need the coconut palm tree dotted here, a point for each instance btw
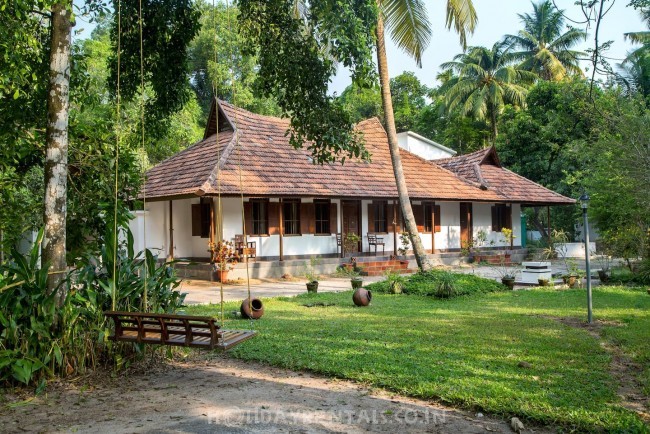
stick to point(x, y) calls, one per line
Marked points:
point(634, 73)
point(408, 24)
point(484, 81)
point(544, 49)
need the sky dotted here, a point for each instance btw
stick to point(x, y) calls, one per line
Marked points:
point(495, 19)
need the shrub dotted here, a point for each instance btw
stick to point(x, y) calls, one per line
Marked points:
point(426, 283)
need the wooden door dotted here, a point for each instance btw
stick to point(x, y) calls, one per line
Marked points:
point(351, 219)
point(466, 228)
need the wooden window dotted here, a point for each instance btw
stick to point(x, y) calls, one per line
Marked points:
point(260, 217)
point(291, 216)
point(380, 214)
point(501, 217)
point(431, 210)
point(201, 220)
point(322, 216)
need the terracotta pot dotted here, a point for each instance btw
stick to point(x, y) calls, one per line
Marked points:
point(253, 309)
point(356, 283)
point(572, 281)
point(312, 286)
point(509, 282)
point(220, 275)
point(362, 297)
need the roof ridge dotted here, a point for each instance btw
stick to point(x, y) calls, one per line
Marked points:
point(214, 174)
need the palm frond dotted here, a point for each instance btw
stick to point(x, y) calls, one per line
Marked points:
point(462, 16)
point(408, 24)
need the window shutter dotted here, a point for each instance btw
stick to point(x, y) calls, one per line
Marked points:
point(196, 220)
point(273, 216)
point(206, 223)
point(307, 218)
point(371, 217)
point(436, 218)
point(508, 220)
point(248, 217)
point(389, 218)
point(495, 219)
point(334, 222)
point(418, 212)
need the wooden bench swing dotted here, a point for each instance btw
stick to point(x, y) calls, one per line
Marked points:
point(175, 330)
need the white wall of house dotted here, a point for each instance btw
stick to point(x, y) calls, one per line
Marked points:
point(186, 245)
point(423, 147)
point(482, 213)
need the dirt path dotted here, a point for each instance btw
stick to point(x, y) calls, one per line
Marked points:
point(229, 396)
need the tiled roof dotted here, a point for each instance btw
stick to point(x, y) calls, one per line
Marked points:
point(268, 165)
point(485, 168)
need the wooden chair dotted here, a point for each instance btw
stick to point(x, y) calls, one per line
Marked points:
point(249, 250)
point(178, 330)
point(374, 240)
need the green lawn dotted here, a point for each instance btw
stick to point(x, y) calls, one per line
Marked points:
point(466, 351)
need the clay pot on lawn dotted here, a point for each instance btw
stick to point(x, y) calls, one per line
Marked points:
point(362, 297)
point(356, 282)
point(253, 309)
point(220, 275)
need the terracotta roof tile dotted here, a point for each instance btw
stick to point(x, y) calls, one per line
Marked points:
point(268, 165)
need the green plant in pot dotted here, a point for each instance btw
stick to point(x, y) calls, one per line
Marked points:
point(506, 271)
point(223, 257)
point(395, 281)
point(605, 262)
point(404, 244)
point(353, 273)
point(311, 275)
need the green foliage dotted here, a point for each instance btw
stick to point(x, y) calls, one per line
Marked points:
point(298, 49)
point(217, 61)
point(168, 26)
point(466, 351)
point(545, 44)
point(39, 338)
point(443, 284)
point(483, 82)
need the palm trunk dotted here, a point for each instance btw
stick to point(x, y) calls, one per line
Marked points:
point(56, 158)
point(400, 181)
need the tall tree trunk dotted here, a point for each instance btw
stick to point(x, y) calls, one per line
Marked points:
point(56, 158)
point(495, 128)
point(402, 191)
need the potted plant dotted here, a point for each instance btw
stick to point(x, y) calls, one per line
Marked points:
point(353, 273)
point(543, 282)
point(506, 271)
point(311, 275)
point(351, 242)
point(223, 257)
point(605, 262)
point(395, 281)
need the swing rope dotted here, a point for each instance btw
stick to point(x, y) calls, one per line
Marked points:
point(241, 184)
point(219, 228)
point(117, 153)
point(143, 162)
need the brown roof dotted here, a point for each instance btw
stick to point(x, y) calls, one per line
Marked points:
point(485, 168)
point(259, 152)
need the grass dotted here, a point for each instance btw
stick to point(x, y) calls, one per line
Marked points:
point(466, 351)
point(427, 284)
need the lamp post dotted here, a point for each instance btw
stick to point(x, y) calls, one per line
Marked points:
point(584, 203)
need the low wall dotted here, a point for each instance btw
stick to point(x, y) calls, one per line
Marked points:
point(574, 250)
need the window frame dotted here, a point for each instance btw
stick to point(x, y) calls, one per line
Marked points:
point(295, 205)
point(380, 205)
point(264, 203)
point(327, 213)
